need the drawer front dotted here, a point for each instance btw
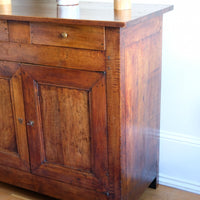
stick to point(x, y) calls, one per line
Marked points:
point(3, 30)
point(76, 36)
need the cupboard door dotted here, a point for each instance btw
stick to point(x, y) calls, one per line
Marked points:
point(66, 113)
point(13, 138)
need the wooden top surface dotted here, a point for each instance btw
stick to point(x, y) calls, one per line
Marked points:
point(89, 13)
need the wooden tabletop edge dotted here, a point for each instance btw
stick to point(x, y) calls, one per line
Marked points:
point(111, 21)
point(63, 21)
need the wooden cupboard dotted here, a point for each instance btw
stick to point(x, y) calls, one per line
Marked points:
point(80, 100)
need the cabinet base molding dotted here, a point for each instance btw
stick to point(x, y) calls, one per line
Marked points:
point(47, 186)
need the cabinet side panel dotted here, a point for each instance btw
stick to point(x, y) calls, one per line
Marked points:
point(142, 79)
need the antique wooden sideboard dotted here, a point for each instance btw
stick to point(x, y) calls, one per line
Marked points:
point(80, 99)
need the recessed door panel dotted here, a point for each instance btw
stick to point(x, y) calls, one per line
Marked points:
point(65, 122)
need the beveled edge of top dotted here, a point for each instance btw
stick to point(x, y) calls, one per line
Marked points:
point(110, 17)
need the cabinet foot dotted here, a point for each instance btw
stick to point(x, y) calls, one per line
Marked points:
point(154, 184)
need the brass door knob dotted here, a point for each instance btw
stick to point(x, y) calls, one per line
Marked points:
point(64, 35)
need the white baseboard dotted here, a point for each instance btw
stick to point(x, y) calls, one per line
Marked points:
point(179, 184)
point(180, 138)
point(180, 161)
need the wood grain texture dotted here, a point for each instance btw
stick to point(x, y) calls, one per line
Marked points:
point(113, 109)
point(60, 77)
point(142, 30)
point(142, 78)
point(92, 104)
point(75, 138)
point(91, 13)
point(65, 120)
point(20, 120)
point(86, 37)
point(13, 143)
point(3, 30)
point(54, 188)
point(19, 32)
point(7, 69)
point(98, 127)
point(53, 56)
point(7, 128)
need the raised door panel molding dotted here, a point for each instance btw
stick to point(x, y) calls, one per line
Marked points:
point(67, 137)
point(8, 137)
point(13, 139)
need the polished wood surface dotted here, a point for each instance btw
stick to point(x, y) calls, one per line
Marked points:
point(13, 138)
point(55, 128)
point(142, 132)
point(85, 37)
point(15, 32)
point(48, 186)
point(53, 56)
point(91, 13)
point(8, 138)
point(3, 30)
point(80, 101)
point(114, 109)
point(57, 103)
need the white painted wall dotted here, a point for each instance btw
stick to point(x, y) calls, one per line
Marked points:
point(180, 107)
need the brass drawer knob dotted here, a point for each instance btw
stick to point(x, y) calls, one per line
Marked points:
point(64, 35)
